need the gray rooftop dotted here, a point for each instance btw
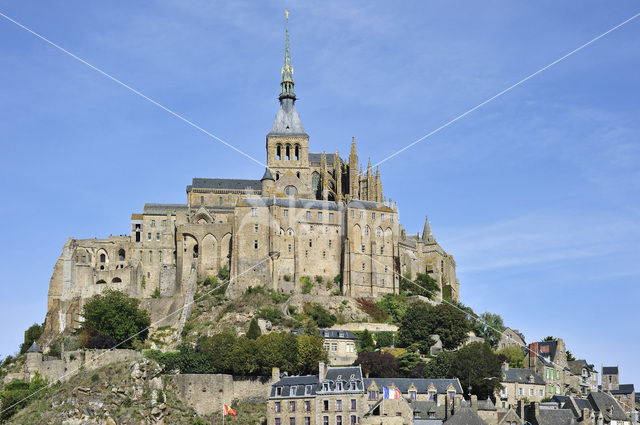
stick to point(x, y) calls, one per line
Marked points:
point(317, 157)
point(421, 384)
point(610, 370)
point(162, 209)
point(34, 348)
point(287, 121)
point(553, 417)
point(607, 406)
point(300, 382)
point(465, 416)
point(522, 376)
point(311, 204)
point(624, 389)
point(367, 205)
point(337, 334)
point(228, 184)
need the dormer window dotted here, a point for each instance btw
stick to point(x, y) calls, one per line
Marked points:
point(278, 391)
point(325, 386)
point(412, 395)
point(353, 386)
point(338, 386)
point(308, 389)
point(293, 390)
point(431, 395)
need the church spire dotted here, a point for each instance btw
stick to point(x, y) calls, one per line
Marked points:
point(286, 85)
point(427, 236)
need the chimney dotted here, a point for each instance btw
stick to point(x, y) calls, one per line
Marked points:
point(275, 374)
point(585, 415)
point(474, 402)
point(322, 371)
point(520, 410)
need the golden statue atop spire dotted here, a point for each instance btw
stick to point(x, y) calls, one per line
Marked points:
point(286, 12)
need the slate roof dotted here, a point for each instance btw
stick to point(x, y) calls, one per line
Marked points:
point(34, 348)
point(550, 354)
point(229, 184)
point(161, 209)
point(465, 416)
point(311, 204)
point(624, 389)
point(553, 417)
point(287, 121)
point(610, 370)
point(522, 376)
point(422, 409)
point(346, 375)
point(299, 381)
point(337, 334)
point(267, 175)
point(317, 157)
point(367, 205)
point(601, 401)
point(575, 366)
point(421, 384)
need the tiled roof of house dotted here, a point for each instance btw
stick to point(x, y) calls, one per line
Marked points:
point(610, 370)
point(607, 406)
point(300, 382)
point(624, 389)
point(555, 417)
point(162, 209)
point(233, 184)
point(368, 205)
point(465, 416)
point(337, 334)
point(522, 376)
point(311, 204)
point(421, 384)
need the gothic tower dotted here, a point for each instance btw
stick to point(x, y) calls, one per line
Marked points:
point(287, 142)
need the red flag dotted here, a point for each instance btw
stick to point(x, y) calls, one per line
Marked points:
point(227, 410)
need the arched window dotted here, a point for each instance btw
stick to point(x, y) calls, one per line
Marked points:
point(297, 153)
point(277, 176)
point(195, 251)
point(378, 232)
point(287, 154)
point(101, 282)
point(278, 152)
point(298, 174)
point(103, 258)
point(315, 182)
point(366, 230)
point(116, 280)
point(290, 191)
point(121, 255)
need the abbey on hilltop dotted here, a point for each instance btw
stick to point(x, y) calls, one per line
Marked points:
point(311, 214)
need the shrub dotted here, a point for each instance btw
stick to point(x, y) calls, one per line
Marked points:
point(394, 305)
point(384, 339)
point(17, 392)
point(377, 364)
point(307, 284)
point(320, 315)
point(254, 330)
point(223, 273)
point(114, 316)
point(318, 279)
point(287, 278)
point(423, 285)
point(269, 313)
point(95, 377)
point(156, 293)
point(211, 281)
point(337, 279)
point(372, 309)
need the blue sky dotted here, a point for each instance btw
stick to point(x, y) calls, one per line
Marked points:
point(537, 194)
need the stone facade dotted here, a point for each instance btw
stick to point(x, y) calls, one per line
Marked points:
point(511, 338)
point(519, 384)
point(583, 378)
point(549, 360)
point(341, 396)
point(310, 215)
point(340, 346)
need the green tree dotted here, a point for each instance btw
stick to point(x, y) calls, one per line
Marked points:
point(115, 316)
point(244, 361)
point(410, 365)
point(451, 324)
point(477, 365)
point(320, 315)
point(384, 339)
point(254, 330)
point(18, 393)
point(366, 342)
point(440, 366)
point(218, 348)
point(512, 355)
point(377, 364)
point(30, 336)
point(223, 273)
point(394, 305)
point(277, 350)
point(570, 356)
point(310, 352)
point(423, 285)
point(490, 327)
point(417, 326)
point(550, 338)
point(186, 360)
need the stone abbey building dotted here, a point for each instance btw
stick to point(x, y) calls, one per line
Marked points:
point(311, 214)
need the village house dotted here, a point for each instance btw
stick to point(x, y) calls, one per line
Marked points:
point(519, 384)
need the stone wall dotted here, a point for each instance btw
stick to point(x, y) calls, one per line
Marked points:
point(206, 393)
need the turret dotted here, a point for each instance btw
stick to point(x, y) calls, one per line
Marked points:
point(427, 236)
point(267, 181)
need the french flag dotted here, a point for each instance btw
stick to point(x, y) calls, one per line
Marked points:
point(391, 393)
